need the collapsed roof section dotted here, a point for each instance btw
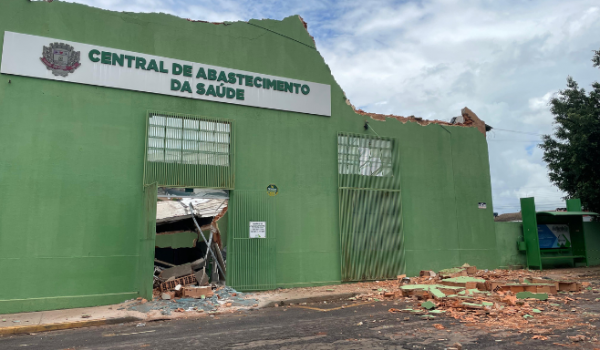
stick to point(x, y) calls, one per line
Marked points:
point(175, 217)
point(177, 210)
point(469, 119)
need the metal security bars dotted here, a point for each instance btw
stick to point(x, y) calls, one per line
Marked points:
point(371, 234)
point(251, 263)
point(366, 161)
point(189, 151)
point(364, 156)
point(370, 209)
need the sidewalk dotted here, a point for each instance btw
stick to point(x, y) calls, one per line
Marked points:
point(33, 322)
point(141, 311)
point(281, 297)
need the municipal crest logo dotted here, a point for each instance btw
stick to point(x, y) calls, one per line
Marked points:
point(61, 59)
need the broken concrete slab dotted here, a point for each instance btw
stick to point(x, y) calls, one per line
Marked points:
point(198, 264)
point(428, 305)
point(464, 281)
point(453, 272)
point(201, 277)
point(481, 305)
point(426, 291)
point(539, 296)
point(177, 271)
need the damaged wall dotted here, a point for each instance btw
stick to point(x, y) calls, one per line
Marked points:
point(174, 240)
point(73, 155)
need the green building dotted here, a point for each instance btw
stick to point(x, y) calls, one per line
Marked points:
point(98, 108)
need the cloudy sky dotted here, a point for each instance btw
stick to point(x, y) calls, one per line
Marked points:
point(502, 59)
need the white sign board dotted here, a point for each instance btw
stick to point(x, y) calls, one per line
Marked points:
point(258, 229)
point(62, 60)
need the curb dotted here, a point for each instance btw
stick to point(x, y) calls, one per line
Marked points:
point(65, 325)
point(311, 299)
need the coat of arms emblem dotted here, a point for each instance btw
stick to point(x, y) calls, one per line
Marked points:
point(60, 58)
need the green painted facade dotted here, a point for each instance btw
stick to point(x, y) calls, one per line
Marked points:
point(509, 233)
point(74, 229)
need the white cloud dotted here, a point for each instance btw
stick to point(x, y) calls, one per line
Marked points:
point(502, 59)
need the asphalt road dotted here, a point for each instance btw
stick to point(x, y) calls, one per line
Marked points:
point(317, 326)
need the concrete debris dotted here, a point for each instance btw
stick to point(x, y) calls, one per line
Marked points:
point(427, 273)
point(453, 272)
point(483, 298)
point(201, 277)
point(198, 264)
point(470, 269)
point(577, 338)
point(184, 281)
point(526, 295)
point(215, 300)
point(197, 292)
point(463, 281)
point(428, 305)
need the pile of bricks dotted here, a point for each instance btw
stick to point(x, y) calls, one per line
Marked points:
point(500, 297)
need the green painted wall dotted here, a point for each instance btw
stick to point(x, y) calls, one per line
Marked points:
point(72, 224)
point(177, 240)
point(508, 233)
point(592, 242)
point(507, 236)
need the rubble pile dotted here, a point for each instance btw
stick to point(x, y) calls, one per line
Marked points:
point(495, 298)
point(186, 288)
point(208, 299)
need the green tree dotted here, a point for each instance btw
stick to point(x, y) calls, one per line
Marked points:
point(573, 152)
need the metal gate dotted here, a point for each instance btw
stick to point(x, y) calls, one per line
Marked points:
point(251, 261)
point(370, 210)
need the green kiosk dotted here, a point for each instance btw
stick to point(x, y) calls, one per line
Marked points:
point(551, 237)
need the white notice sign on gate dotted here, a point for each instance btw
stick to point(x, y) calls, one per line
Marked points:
point(258, 229)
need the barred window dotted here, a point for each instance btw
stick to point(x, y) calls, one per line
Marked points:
point(360, 155)
point(188, 141)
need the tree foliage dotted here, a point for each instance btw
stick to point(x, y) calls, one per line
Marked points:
point(573, 152)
